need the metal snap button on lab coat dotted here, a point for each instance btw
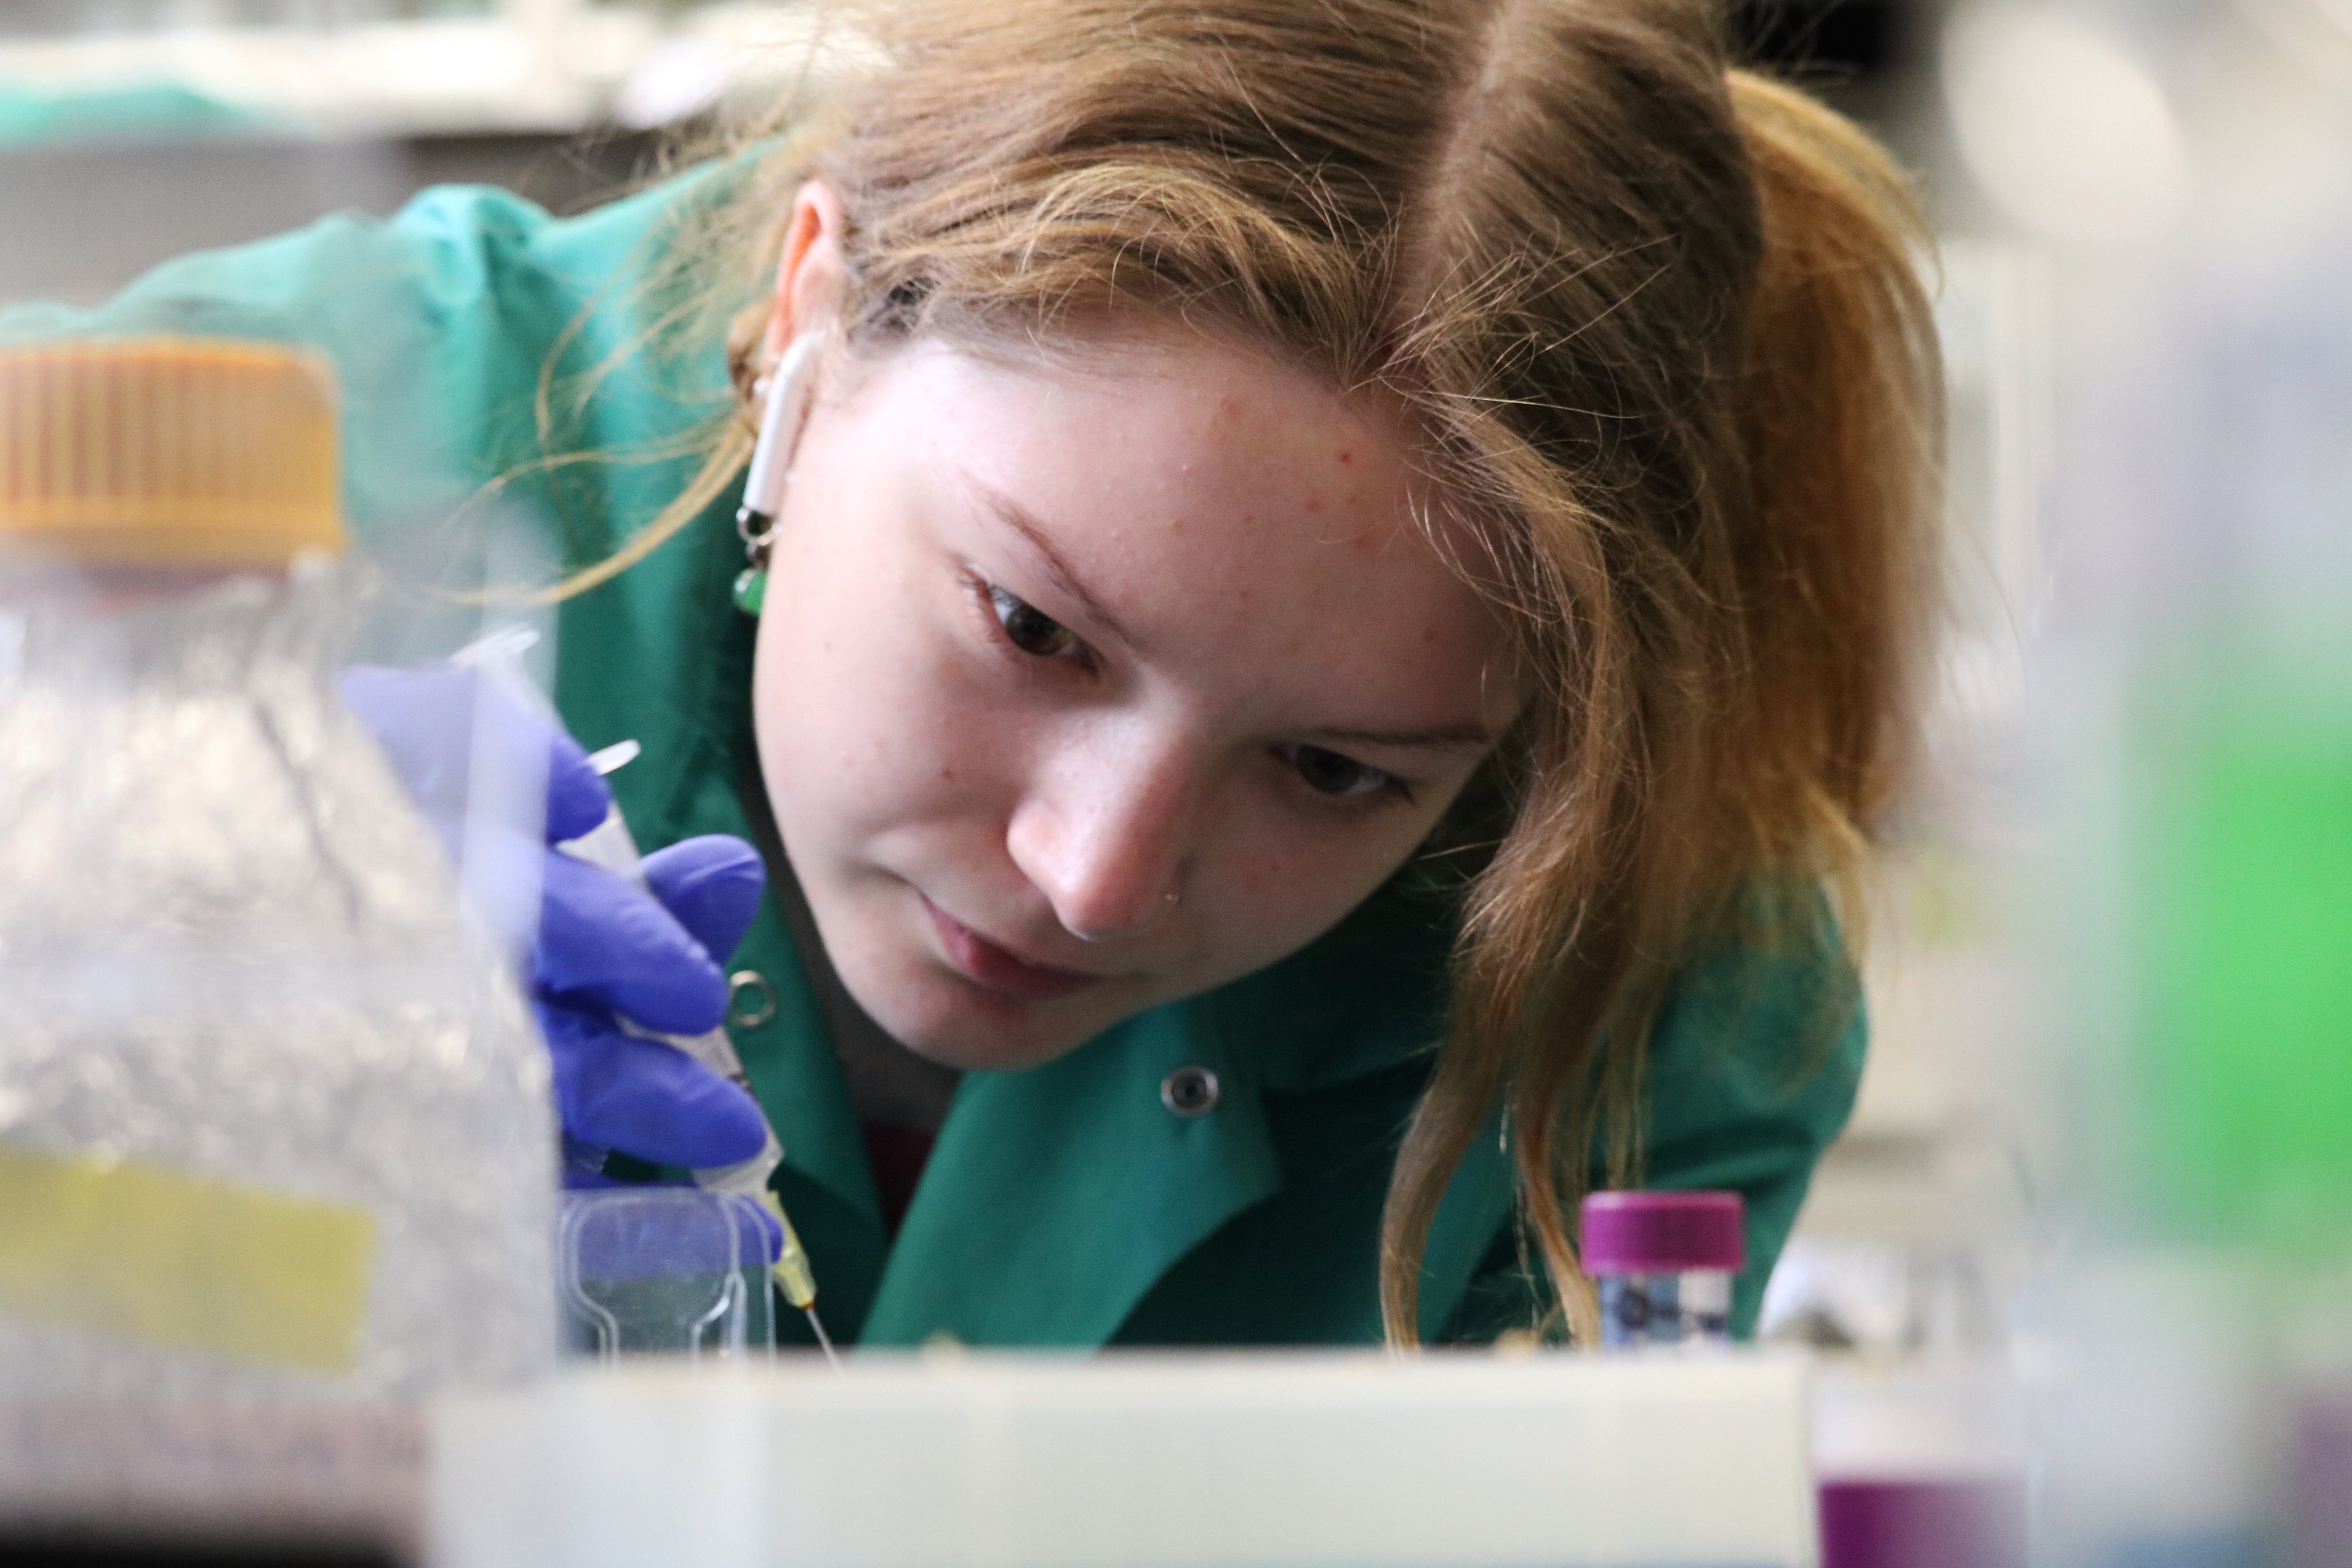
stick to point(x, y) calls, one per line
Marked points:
point(1190, 1091)
point(751, 999)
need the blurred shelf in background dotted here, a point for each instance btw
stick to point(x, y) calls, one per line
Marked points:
point(140, 130)
point(108, 211)
point(151, 70)
point(147, 69)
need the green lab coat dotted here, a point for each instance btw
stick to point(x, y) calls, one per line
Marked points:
point(1064, 1205)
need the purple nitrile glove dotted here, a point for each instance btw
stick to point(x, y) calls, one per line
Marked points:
point(604, 948)
point(607, 949)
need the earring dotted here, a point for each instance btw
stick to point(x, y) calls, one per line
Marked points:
point(771, 462)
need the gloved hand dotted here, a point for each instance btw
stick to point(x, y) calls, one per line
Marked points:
point(604, 948)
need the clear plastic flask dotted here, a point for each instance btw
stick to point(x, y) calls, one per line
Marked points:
point(1665, 1263)
point(273, 1117)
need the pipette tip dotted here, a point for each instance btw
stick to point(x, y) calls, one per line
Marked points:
point(823, 1340)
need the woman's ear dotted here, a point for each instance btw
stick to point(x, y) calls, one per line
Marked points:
point(810, 278)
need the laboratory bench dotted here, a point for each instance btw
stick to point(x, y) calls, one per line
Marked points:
point(954, 1459)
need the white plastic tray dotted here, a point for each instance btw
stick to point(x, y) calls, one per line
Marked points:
point(972, 1461)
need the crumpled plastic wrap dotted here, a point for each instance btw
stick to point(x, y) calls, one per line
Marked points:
point(229, 949)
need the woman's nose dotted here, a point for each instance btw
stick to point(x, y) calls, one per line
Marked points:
point(1103, 832)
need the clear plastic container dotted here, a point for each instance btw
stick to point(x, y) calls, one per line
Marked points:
point(1663, 1263)
point(665, 1271)
point(272, 1113)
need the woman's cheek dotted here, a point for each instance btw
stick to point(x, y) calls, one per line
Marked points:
point(1272, 894)
point(939, 733)
point(1289, 881)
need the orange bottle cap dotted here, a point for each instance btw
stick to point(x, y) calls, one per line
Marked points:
point(169, 452)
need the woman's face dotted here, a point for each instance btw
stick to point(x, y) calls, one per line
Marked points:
point(1082, 690)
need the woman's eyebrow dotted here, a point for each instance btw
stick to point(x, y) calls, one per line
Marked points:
point(1018, 518)
point(1438, 738)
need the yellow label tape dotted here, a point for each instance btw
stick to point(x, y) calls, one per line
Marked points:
point(120, 1247)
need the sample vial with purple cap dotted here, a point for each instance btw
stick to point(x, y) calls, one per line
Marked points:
point(1665, 1263)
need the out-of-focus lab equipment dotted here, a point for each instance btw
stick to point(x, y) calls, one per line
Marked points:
point(2175, 176)
point(950, 1458)
point(274, 1113)
point(144, 130)
point(275, 1146)
point(276, 1159)
point(1663, 1263)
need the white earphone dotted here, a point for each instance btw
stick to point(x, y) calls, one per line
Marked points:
point(780, 431)
point(786, 389)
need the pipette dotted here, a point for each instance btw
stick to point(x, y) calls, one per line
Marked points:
point(611, 846)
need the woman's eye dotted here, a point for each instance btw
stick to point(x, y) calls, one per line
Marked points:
point(1329, 773)
point(1029, 628)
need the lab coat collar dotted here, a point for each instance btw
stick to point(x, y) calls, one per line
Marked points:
point(1094, 1181)
point(1059, 1196)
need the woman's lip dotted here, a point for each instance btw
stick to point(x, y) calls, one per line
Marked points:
point(984, 962)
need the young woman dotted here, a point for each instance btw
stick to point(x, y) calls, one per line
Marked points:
point(1350, 571)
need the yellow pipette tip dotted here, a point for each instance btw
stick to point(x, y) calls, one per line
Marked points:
point(792, 1275)
point(791, 1265)
point(791, 1272)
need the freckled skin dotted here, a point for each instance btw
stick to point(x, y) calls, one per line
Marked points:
point(913, 752)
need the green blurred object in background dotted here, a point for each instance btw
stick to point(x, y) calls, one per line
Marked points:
point(2244, 935)
point(160, 112)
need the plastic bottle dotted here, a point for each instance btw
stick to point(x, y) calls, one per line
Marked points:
point(272, 1114)
point(1665, 1263)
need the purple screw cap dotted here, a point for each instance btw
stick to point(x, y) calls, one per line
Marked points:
point(1663, 1233)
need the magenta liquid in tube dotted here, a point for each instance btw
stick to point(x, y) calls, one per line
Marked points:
point(1665, 1263)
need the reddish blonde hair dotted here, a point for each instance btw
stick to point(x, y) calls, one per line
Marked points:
point(1661, 324)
